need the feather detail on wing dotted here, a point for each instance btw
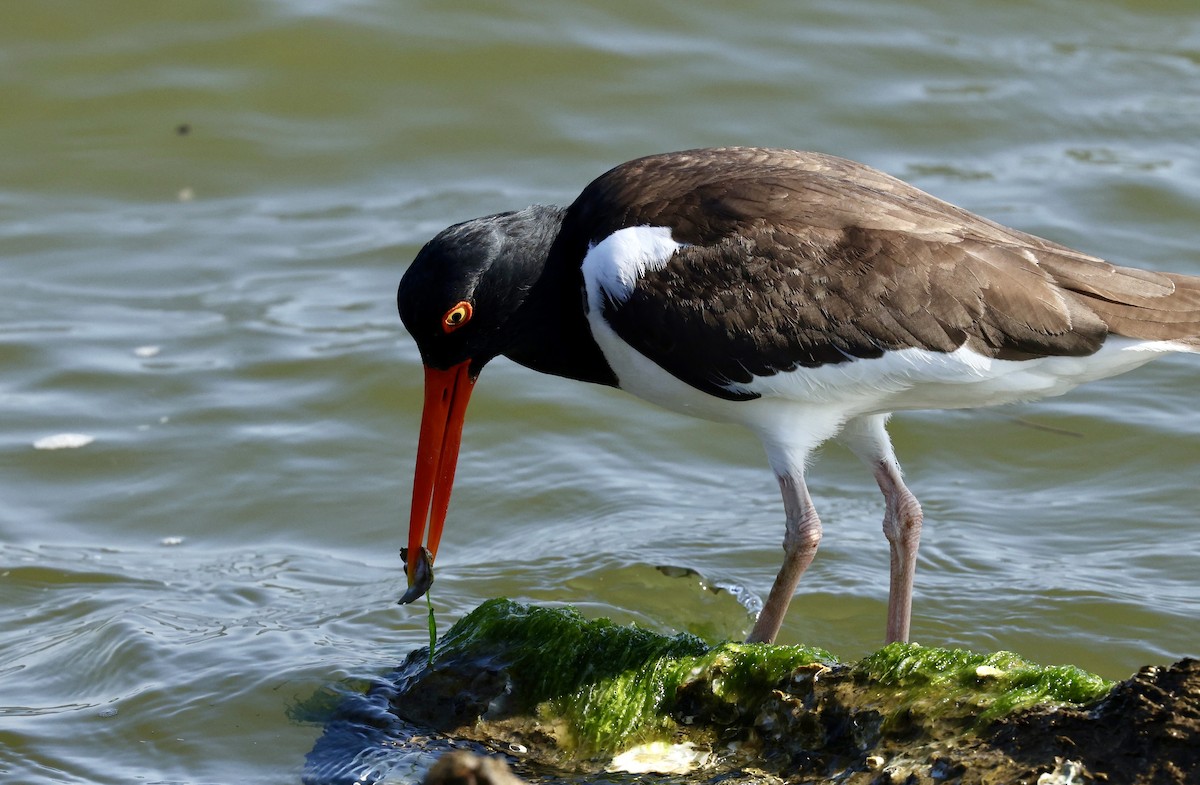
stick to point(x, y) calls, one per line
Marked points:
point(791, 259)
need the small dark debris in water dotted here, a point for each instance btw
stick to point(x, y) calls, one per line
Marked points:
point(1037, 426)
point(422, 579)
point(183, 129)
point(672, 571)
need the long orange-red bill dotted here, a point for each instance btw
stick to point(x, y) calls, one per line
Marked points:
point(446, 396)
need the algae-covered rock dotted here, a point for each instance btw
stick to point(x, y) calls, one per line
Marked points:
point(1146, 730)
point(985, 687)
point(565, 698)
point(590, 689)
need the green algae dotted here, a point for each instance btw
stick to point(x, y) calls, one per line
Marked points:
point(599, 687)
point(432, 628)
point(639, 705)
point(609, 685)
point(988, 686)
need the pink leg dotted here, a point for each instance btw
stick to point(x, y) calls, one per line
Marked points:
point(902, 519)
point(800, 542)
point(868, 438)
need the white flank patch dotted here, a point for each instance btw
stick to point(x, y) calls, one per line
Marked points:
point(615, 264)
point(63, 441)
point(919, 379)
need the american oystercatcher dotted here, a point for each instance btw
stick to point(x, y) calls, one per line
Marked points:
point(804, 296)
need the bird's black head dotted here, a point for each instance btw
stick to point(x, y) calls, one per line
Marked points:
point(458, 297)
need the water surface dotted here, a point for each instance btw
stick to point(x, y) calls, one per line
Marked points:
point(205, 209)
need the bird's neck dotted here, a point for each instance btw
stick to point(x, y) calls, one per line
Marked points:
point(552, 334)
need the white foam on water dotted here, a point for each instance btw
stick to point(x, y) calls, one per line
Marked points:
point(63, 441)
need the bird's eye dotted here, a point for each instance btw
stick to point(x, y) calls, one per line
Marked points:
point(456, 317)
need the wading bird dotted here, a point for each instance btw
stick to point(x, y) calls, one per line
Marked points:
point(804, 296)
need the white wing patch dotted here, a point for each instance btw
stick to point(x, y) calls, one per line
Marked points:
point(615, 264)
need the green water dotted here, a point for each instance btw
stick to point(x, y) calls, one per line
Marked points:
point(204, 211)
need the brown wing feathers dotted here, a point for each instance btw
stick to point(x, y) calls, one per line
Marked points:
point(804, 259)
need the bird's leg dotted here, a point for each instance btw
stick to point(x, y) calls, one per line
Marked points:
point(867, 437)
point(800, 542)
point(902, 526)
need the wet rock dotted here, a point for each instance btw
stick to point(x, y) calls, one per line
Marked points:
point(568, 699)
point(466, 768)
point(1146, 730)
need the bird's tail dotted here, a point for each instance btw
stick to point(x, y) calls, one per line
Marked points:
point(1140, 304)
